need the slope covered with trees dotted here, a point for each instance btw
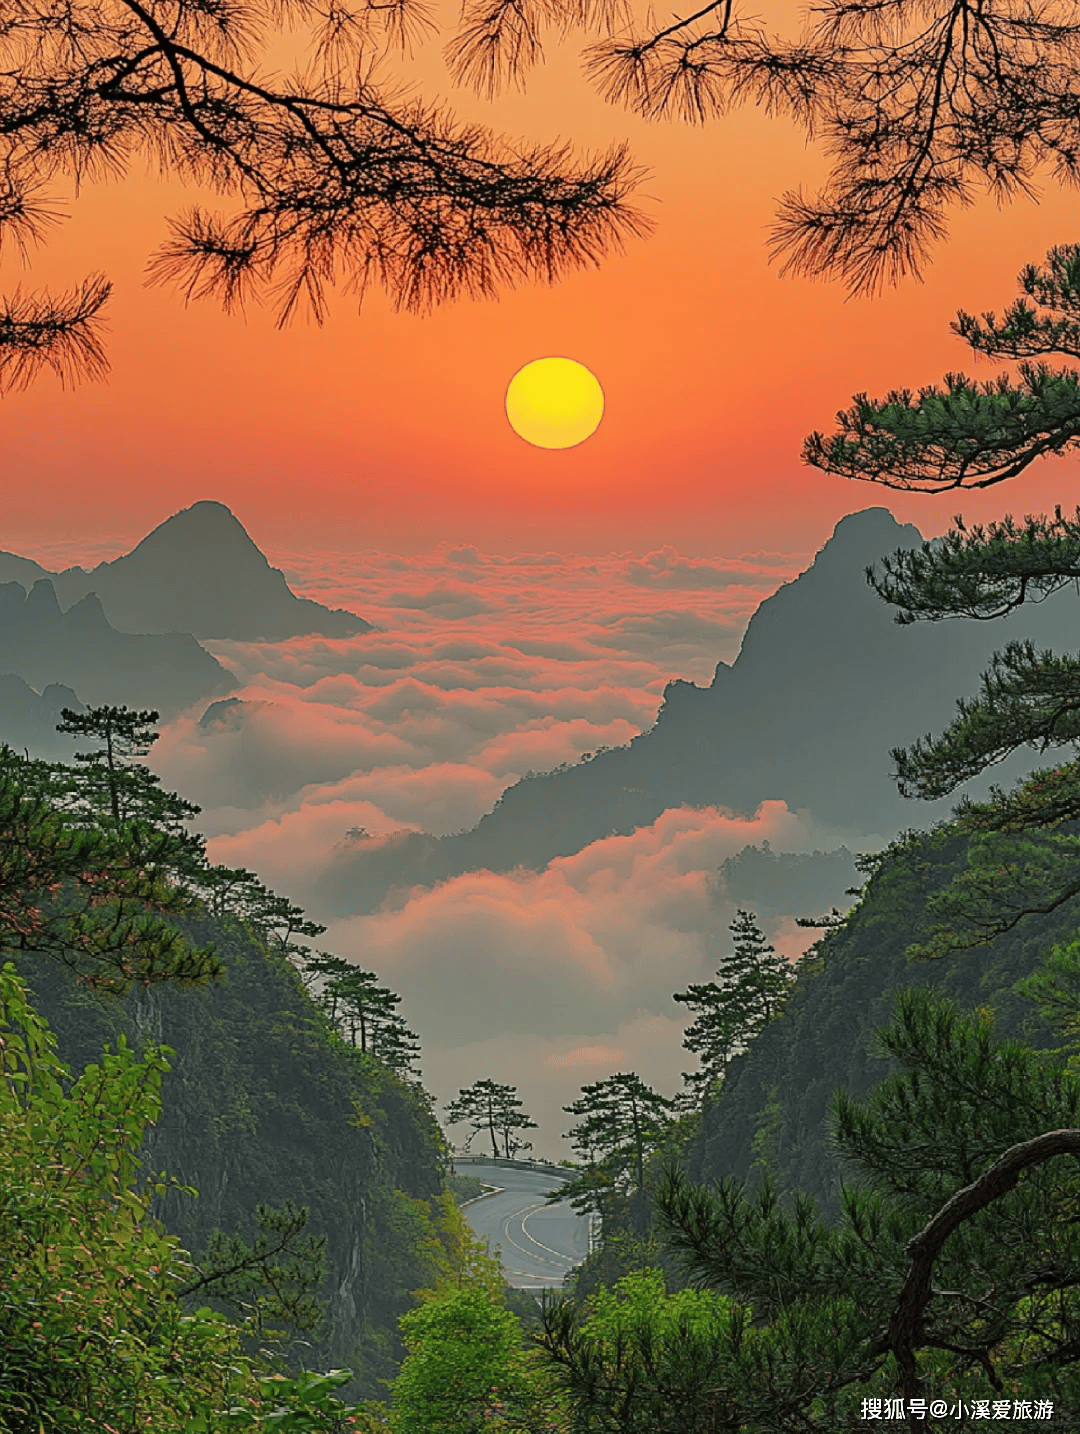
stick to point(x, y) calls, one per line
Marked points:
point(776, 1095)
point(306, 1173)
point(265, 1104)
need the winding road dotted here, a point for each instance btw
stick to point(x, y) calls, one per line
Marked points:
point(537, 1243)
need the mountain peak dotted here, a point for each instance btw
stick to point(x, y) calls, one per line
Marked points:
point(198, 572)
point(207, 527)
point(866, 529)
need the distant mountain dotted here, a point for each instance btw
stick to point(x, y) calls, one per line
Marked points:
point(28, 719)
point(824, 685)
point(197, 572)
point(42, 644)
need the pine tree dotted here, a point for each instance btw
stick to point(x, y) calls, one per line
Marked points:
point(919, 112)
point(749, 988)
point(1023, 857)
point(99, 897)
point(329, 176)
point(621, 1122)
point(487, 1105)
point(112, 781)
point(363, 1011)
point(951, 1276)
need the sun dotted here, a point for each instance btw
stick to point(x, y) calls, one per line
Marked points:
point(554, 403)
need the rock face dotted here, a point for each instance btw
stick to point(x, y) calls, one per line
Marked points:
point(42, 645)
point(825, 684)
point(197, 572)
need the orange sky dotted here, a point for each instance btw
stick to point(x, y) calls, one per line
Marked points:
point(383, 430)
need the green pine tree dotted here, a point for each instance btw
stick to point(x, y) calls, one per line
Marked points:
point(487, 1105)
point(951, 1275)
point(622, 1121)
point(750, 985)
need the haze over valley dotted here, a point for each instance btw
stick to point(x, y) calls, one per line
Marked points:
point(521, 788)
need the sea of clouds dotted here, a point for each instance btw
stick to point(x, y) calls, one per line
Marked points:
point(482, 668)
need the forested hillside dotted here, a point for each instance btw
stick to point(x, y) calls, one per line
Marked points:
point(265, 1105)
point(775, 1097)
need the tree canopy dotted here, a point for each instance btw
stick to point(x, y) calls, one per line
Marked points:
point(487, 1105)
point(951, 1275)
point(1024, 857)
point(918, 106)
point(751, 983)
point(973, 435)
point(331, 175)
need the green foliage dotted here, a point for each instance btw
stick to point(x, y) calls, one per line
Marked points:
point(767, 1136)
point(622, 1122)
point(967, 434)
point(1055, 987)
point(464, 1187)
point(468, 1366)
point(748, 993)
point(487, 1105)
point(265, 1100)
point(637, 1360)
point(99, 899)
point(360, 1007)
point(1006, 879)
point(1027, 697)
point(94, 1334)
point(266, 1103)
point(272, 1278)
point(981, 572)
point(823, 1039)
point(466, 1369)
point(110, 781)
point(1000, 1307)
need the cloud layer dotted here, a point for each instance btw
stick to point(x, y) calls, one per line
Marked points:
point(481, 669)
point(550, 979)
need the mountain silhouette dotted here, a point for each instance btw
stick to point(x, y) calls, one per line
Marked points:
point(197, 572)
point(43, 645)
point(824, 685)
point(28, 719)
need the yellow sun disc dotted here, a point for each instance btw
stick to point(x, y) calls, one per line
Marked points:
point(554, 403)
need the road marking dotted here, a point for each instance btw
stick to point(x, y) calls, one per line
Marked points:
point(540, 1259)
point(540, 1243)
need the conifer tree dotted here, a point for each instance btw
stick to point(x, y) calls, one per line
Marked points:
point(487, 1105)
point(1023, 857)
point(101, 898)
point(113, 781)
point(365, 1012)
point(329, 174)
point(621, 1122)
point(729, 1012)
point(919, 110)
point(951, 1276)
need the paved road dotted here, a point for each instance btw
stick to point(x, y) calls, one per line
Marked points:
point(538, 1243)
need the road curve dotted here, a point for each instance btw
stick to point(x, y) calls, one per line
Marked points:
point(537, 1243)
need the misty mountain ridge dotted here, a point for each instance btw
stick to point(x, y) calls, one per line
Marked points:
point(43, 645)
point(28, 719)
point(198, 572)
point(824, 685)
